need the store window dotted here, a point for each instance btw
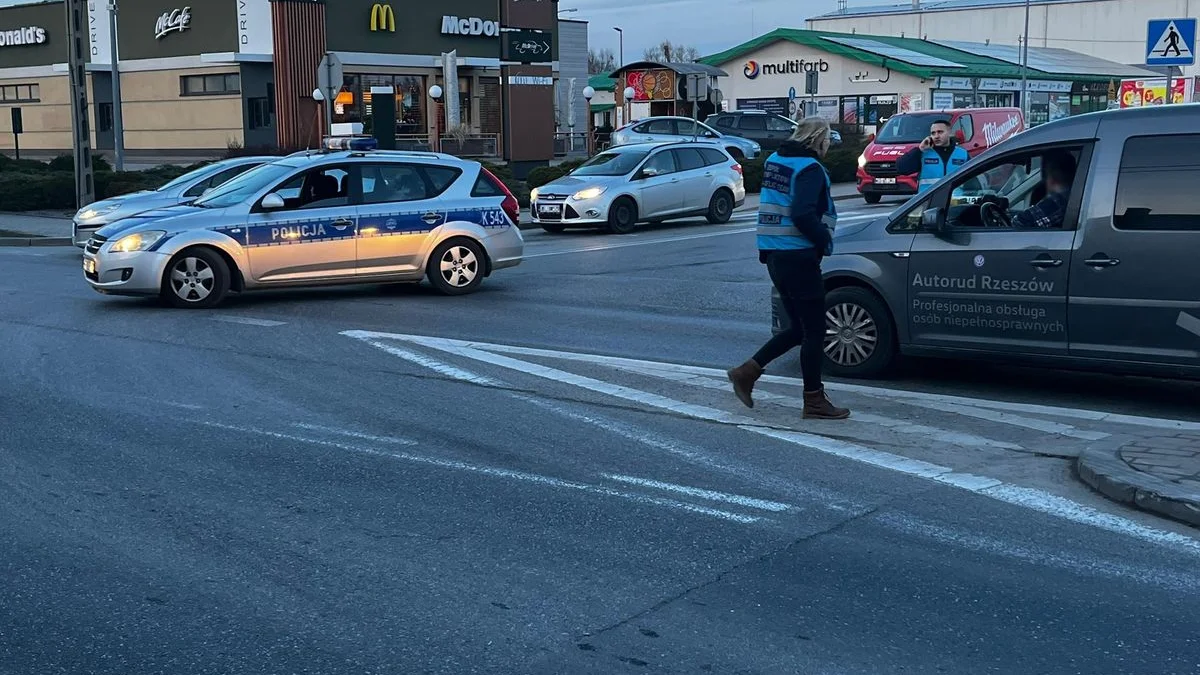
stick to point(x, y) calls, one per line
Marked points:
point(216, 84)
point(20, 93)
point(464, 100)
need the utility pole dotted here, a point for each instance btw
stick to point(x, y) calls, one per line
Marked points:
point(85, 191)
point(118, 127)
point(1025, 65)
point(622, 46)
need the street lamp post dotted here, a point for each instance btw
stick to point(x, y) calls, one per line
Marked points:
point(118, 127)
point(1025, 65)
point(588, 93)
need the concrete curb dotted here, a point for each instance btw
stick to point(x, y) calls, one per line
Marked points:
point(35, 241)
point(1105, 471)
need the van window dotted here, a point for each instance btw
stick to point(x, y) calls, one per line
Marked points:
point(1157, 182)
point(909, 128)
point(966, 125)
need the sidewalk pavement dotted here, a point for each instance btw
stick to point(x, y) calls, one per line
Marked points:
point(1159, 473)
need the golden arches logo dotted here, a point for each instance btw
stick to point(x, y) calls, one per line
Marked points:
point(383, 18)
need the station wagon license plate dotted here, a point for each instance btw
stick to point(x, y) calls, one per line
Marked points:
point(89, 266)
point(886, 181)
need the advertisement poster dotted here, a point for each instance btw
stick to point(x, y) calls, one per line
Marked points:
point(1137, 93)
point(912, 102)
point(651, 85)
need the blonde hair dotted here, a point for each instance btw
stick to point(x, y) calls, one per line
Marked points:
point(813, 133)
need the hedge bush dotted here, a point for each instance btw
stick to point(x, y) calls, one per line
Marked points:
point(30, 185)
point(841, 162)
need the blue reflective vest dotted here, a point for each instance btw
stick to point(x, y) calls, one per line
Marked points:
point(776, 231)
point(934, 169)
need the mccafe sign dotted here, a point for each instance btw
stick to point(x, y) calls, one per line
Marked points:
point(174, 21)
point(30, 35)
point(790, 67)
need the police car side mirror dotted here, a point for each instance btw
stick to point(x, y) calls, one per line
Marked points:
point(272, 202)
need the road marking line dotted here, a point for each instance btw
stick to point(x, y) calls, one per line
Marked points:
point(740, 500)
point(1038, 500)
point(1016, 420)
point(651, 367)
point(249, 321)
point(355, 434)
point(500, 473)
point(898, 426)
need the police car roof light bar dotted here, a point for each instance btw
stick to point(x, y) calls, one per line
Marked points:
point(350, 143)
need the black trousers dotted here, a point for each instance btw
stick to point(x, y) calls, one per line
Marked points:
point(797, 277)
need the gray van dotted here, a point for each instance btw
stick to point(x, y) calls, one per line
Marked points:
point(1113, 285)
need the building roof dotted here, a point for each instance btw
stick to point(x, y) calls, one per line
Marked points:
point(929, 59)
point(931, 6)
point(701, 68)
point(602, 83)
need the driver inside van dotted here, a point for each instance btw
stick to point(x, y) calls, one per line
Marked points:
point(1058, 173)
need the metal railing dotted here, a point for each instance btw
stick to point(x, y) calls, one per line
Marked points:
point(473, 145)
point(570, 143)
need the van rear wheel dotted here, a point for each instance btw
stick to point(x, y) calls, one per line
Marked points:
point(860, 338)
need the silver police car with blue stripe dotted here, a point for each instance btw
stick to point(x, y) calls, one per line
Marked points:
point(346, 214)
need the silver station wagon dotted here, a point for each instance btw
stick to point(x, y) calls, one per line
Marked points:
point(1073, 244)
point(332, 216)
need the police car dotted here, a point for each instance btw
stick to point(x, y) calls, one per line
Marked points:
point(347, 213)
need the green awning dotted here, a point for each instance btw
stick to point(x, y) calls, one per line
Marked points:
point(603, 107)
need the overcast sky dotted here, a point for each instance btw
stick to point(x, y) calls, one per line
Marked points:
point(709, 25)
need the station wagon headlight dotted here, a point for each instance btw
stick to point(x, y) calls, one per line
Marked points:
point(137, 242)
point(89, 212)
point(590, 193)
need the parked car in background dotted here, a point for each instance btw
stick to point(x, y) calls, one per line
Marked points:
point(975, 129)
point(765, 128)
point(680, 128)
point(185, 188)
point(641, 182)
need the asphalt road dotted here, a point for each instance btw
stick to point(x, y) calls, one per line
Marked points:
point(550, 476)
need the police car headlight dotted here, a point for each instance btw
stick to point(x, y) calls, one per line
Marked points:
point(533, 194)
point(862, 161)
point(590, 193)
point(89, 212)
point(137, 242)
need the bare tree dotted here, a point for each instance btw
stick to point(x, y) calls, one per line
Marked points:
point(666, 52)
point(601, 62)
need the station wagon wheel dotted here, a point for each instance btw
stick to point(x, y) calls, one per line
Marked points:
point(622, 216)
point(720, 207)
point(859, 336)
point(196, 278)
point(456, 267)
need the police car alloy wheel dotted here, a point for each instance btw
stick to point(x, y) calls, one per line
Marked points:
point(196, 278)
point(859, 335)
point(456, 267)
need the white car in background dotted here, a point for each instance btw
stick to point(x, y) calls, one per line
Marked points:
point(684, 128)
point(642, 182)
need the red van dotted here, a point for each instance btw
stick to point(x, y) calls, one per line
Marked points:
point(976, 129)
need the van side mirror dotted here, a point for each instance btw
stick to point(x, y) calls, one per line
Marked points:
point(933, 220)
point(871, 138)
point(272, 202)
point(960, 136)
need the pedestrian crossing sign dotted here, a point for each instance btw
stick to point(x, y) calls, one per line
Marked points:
point(1171, 42)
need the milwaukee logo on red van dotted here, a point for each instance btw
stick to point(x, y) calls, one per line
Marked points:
point(993, 133)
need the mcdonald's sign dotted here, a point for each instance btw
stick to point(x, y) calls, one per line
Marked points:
point(383, 18)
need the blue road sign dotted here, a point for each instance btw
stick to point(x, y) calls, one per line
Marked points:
point(1171, 42)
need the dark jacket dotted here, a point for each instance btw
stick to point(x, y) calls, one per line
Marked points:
point(910, 162)
point(809, 196)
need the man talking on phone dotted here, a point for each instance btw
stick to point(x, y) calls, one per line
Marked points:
point(937, 156)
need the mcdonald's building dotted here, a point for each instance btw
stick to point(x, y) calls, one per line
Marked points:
point(199, 78)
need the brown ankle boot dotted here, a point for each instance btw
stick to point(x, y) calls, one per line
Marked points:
point(817, 406)
point(743, 378)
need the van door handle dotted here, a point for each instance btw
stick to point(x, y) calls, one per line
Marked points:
point(342, 222)
point(1045, 262)
point(1102, 261)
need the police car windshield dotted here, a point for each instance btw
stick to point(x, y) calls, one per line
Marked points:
point(611, 164)
point(243, 186)
point(908, 128)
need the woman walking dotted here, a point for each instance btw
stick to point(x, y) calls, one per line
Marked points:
point(796, 219)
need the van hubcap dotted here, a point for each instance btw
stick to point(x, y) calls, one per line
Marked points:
point(851, 335)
